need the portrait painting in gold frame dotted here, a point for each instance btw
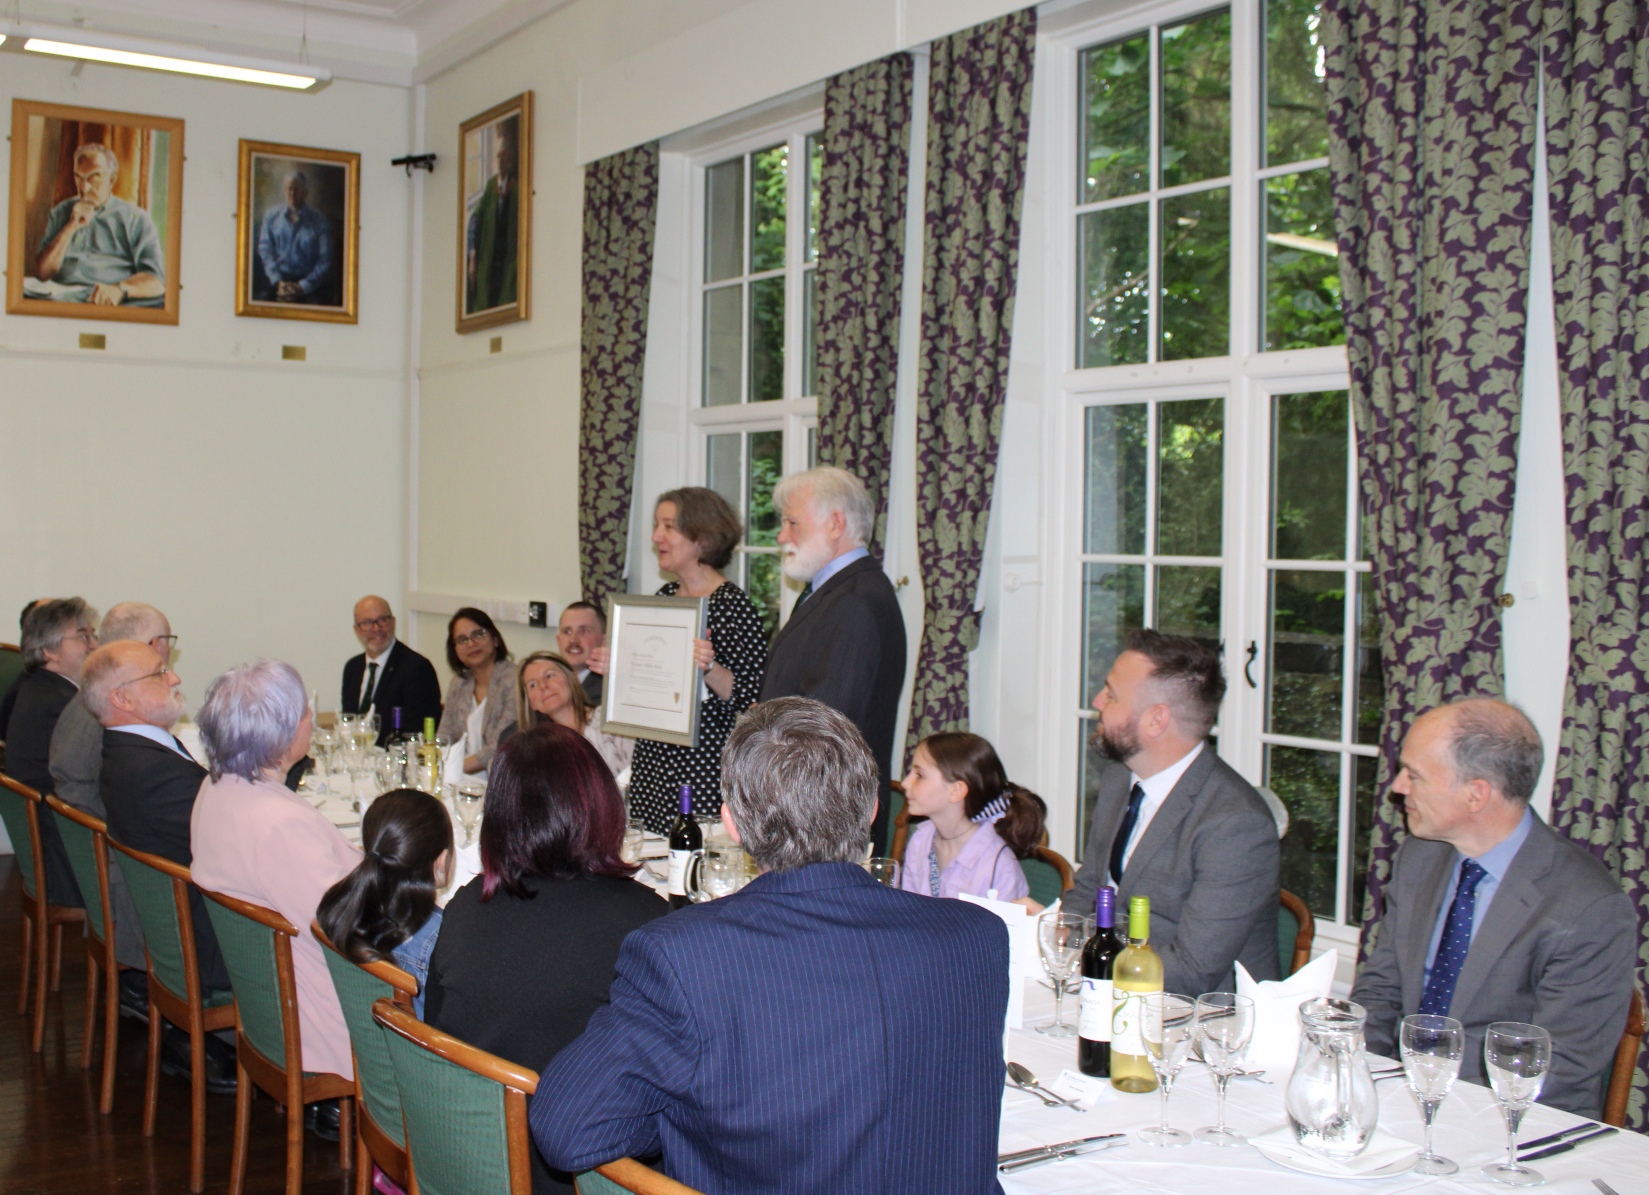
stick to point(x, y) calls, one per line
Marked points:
point(297, 228)
point(495, 215)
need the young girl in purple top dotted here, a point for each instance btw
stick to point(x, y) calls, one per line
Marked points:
point(979, 824)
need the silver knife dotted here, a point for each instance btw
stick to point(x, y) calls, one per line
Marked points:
point(1073, 1152)
point(1021, 1155)
point(1554, 1138)
point(1566, 1146)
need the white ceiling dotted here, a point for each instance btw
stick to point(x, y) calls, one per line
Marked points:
point(382, 41)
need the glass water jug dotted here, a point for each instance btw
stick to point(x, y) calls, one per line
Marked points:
point(1331, 1102)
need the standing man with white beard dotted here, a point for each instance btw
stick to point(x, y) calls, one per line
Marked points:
point(845, 642)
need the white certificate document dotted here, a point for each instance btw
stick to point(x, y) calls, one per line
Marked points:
point(653, 687)
point(652, 677)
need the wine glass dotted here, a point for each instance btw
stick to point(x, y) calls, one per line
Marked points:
point(1225, 1022)
point(1168, 1025)
point(468, 800)
point(1431, 1048)
point(884, 871)
point(1516, 1057)
point(1061, 938)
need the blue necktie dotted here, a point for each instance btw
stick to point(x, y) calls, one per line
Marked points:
point(1456, 940)
point(1119, 846)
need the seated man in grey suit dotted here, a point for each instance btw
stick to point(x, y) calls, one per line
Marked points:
point(1490, 915)
point(1174, 822)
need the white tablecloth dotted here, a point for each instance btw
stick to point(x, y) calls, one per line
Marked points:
point(1469, 1130)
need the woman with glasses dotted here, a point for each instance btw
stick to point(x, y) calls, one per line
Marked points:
point(480, 701)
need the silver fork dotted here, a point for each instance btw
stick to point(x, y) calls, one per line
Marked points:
point(1604, 1187)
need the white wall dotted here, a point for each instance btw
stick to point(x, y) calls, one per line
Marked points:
point(250, 498)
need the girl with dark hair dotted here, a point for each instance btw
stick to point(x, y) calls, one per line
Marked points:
point(480, 699)
point(979, 823)
point(384, 910)
point(528, 947)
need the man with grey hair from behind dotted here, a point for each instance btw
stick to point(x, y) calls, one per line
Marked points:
point(844, 643)
point(1490, 915)
point(812, 1032)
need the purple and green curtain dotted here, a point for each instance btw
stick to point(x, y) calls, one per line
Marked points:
point(1597, 143)
point(866, 150)
point(979, 109)
point(620, 211)
point(1432, 126)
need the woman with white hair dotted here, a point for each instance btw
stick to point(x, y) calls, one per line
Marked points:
point(257, 841)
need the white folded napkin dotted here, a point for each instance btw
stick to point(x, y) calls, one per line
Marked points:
point(1276, 1041)
point(452, 763)
point(1383, 1150)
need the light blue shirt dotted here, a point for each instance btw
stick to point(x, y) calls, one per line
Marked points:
point(119, 241)
point(1495, 861)
point(296, 250)
point(836, 566)
point(163, 737)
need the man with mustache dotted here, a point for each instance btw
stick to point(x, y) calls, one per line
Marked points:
point(1174, 822)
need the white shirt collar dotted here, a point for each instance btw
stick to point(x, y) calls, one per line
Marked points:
point(379, 660)
point(1157, 788)
point(163, 737)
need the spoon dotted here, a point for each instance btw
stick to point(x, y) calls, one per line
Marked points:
point(1022, 1077)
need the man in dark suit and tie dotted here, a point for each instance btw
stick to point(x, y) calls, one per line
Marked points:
point(388, 675)
point(844, 644)
point(582, 629)
point(813, 1032)
point(1174, 822)
point(1492, 916)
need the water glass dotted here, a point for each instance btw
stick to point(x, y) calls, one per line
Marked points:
point(469, 799)
point(1224, 1023)
point(634, 835)
point(884, 871)
point(1061, 937)
point(1517, 1057)
point(1431, 1048)
point(1168, 1025)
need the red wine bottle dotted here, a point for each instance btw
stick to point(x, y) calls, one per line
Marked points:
point(1093, 1047)
point(685, 838)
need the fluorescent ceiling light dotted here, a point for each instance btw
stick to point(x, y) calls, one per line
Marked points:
point(141, 55)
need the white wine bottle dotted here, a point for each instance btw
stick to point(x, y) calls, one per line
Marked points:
point(1136, 971)
point(429, 760)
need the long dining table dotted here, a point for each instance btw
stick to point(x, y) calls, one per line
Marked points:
point(1469, 1130)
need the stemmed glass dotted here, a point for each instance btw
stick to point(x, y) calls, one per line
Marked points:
point(1061, 938)
point(1431, 1048)
point(1516, 1057)
point(468, 800)
point(1168, 1024)
point(884, 871)
point(1225, 1022)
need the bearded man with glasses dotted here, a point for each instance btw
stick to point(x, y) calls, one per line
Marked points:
point(388, 675)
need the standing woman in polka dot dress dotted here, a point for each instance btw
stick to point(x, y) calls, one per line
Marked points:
point(694, 534)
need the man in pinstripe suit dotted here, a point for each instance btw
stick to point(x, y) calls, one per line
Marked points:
point(814, 1032)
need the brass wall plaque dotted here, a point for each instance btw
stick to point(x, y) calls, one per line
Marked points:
point(93, 340)
point(294, 352)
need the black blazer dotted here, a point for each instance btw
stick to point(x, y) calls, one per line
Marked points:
point(408, 680)
point(149, 794)
point(520, 978)
point(845, 646)
point(41, 698)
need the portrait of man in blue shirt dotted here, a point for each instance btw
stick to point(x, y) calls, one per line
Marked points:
point(97, 247)
point(297, 249)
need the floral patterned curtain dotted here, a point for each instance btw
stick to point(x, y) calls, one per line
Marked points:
point(866, 149)
point(1431, 123)
point(979, 108)
point(620, 210)
point(1597, 142)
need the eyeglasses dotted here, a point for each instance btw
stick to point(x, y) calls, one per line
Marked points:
point(472, 637)
point(84, 634)
point(169, 640)
point(163, 673)
point(376, 624)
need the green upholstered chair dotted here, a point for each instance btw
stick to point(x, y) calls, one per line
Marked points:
point(21, 810)
point(1296, 930)
point(898, 822)
point(160, 894)
point(629, 1175)
point(11, 667)
point(257, 950)
point(85, 839)
point(465, 1109)
point(1047, 873)
point(379, 1132)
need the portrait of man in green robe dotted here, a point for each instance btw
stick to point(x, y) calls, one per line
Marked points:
point(491, 236)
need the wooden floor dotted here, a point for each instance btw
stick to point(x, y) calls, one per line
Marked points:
point(52, 1138)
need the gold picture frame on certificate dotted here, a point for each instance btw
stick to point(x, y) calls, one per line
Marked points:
point(96, 214)
point(297, 232)
point(495, 215)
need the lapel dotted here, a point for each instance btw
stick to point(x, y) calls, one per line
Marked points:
point(1164, 827)
point(1433, 869)
point(392, 665)
point(1512, 908)
point(815, 600)
point(140, 743)
point(1110, 803)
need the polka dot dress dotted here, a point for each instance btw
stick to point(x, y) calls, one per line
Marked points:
point(658, 770)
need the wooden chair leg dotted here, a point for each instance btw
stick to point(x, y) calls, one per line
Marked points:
point(294, 1147)
point(111, 1038)
point(89, 1031)
point(363, 1161)
point(197, 1105)
point(243, 1124)
point(25, 959)
point(346, 1132)
point(57, 957)
point(42, 941)
point(151, 1079)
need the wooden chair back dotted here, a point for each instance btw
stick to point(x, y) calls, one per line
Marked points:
point(1296, 930)
point(86, 842)
point(20, 811)
point(898, 822)
point(627, 1174)
point(1619, 1087)
point(42, 922)
point(1048, 873)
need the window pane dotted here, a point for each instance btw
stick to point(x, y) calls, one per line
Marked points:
point(1302, 267)
point(815, 168)
point(1190, 472)
point(1362, 811)
point(1307, 653)
point(763, 588)
point(767, 339)
point(768, 170)
point(1308, 783)
point(1090, 767)
point(1296, 126)
point(1112, 327)
point(1115, 481)
point(723, 345)
point(1371, 678)
point(1113, 599)
point(810, 326)
point(722, 468)
point(1308, 475)
point(812, 446)
point(1116, 119)
point(1196, 99)
point(1188, 603)
point(1196, 275)
point(761, 522)
point(724, 221)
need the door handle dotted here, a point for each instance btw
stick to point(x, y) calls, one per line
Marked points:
point(1253, 651)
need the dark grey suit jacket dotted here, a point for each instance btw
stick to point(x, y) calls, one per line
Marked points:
point(1208, 861)
point(1555, 948)
point(42, 696)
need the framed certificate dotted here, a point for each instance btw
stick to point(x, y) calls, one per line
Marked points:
point(653, 687)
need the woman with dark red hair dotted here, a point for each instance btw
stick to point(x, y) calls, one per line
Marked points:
point(527, 948)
